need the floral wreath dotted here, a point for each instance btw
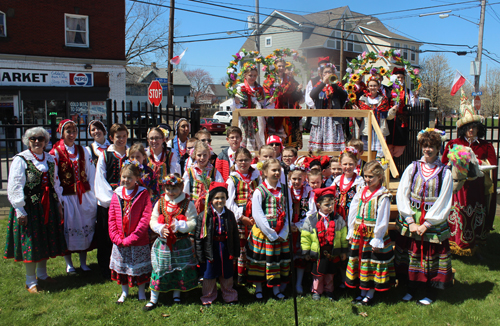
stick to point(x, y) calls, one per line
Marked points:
point(171, 180)
point(271, 73)
point(251, 58)
point(348, 149)
point(442, 133)
point(360, 64)
point(298, 167)
point(134, 162)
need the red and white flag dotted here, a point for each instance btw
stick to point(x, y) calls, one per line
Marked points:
point(457, 83)
point(177, 59)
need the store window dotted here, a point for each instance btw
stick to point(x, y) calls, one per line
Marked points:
point(3, 25)
point(77, 27)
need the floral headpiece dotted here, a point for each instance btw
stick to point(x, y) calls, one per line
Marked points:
point(350, 149)
point(460, 158)
point(171, 180)
point(298, 167)
point(134, 162)
point(384, 163)
point(442, 133)
point(259, 166)
point(324, 65)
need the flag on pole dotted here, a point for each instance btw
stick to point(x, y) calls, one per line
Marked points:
point(457, 83)
point(177, 59)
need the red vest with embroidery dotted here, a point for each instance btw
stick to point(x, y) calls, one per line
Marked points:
point(68, 176)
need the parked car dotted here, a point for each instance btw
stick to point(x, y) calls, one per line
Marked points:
point(212, 125)
point(224, 117)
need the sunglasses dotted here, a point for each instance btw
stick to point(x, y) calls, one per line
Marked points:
point(275, 144)
point(206, 140)
point(39, 138)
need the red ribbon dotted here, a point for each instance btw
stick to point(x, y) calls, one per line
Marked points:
point(343, 195)
point(46, 196)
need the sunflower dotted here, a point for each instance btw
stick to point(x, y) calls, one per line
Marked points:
point(232, 62)
point(383, 71)
point(352, 96)
point(349, 87)
point(355, 78)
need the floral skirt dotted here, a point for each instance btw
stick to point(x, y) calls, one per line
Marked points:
point(267, 261)
point(130, 265)
point(131, 281)
point(253, 130)
point(242, 259)
point(376, 145)
point(173, 270)
point(327, 136)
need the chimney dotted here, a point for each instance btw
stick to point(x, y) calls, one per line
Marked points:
point(153, 65)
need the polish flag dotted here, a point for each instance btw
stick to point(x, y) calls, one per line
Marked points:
point(177, 59)
point(457, 83)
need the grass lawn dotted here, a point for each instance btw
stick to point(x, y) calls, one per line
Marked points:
point(86, 299)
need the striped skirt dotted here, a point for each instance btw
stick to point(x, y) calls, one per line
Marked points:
point(267, 261)
point(377, 268)
point(242, 259)
point(173, 270)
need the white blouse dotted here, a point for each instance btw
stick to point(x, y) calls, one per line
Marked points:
point(358, 183)
point(17, 179)
point(261, 220)
point(103, 191)
point(312, 205)
point(381, 223)
point(178, 226)
point(231, 190)
point(440, 210)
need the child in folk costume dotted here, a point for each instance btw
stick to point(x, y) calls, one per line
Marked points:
point(198, 177)
point(137, 153)
point(226, 159)
point(268, 250)
point(179, 143)
point(326, 132)
point(303, 207)
point(371, 257)
point(424, 200)
point(250, 95)
point(107, 180)
point(323, 239)
point(97, 130)
point(129, 216)
point(217, 245)
point(335, 169)
point(359, 146)
point(314, 178)
point(349, 183)
point(241, 184)
point(76, 172)
point(172, 255)
point(379, 104)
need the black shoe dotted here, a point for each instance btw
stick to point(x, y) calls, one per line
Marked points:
point(357, 300)
point(177, 300)
point(149, 306)
point(256, 298)
point(279, 297)
point(232, 303)
point(367, 302)
point(331, 296)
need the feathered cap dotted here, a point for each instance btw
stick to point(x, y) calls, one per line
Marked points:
point(467, 112)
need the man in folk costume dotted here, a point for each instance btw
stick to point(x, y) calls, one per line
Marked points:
point(398, 127)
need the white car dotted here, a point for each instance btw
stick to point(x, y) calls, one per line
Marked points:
point(224, 117)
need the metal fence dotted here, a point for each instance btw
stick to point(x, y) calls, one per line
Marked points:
point(138, 119)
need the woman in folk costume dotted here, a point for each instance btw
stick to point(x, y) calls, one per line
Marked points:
point(97, 130)
point(217, 245)
point(250, 95)
point(285, 93)
point(424, 202)
point(178, 144)
point(241, 184)
point(76, 171)
point(129, 216)
point(474, 205)
point(371, 257)
point(172, 256)
point(326, 132)
point(197, 178)
point(34, 232)
point(161, 159)
point(268, 249)
point(375, 101)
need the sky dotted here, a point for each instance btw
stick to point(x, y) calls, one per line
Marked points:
point(214, 56)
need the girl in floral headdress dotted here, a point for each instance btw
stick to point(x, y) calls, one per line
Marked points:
point(179, 143)
point(97, 130)
point(197, 178)
point(76, 171)
point(250, 95)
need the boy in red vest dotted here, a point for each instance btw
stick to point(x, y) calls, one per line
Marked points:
point(225, 160)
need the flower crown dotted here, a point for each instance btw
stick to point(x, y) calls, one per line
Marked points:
point(349, 149)
point(134, 162)
point(298, 167)
point(171, 180)
point(384, 163)
point(442, 133)
point(324, 65)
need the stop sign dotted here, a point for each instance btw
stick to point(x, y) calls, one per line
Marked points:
point(155, 93)
point(477, 103)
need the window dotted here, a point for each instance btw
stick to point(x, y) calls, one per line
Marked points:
point(405, 51)
point(413, 54)
point(397, 45)
point(185, 99)
point(77, 28)
point(269, 42)
point(3, 25)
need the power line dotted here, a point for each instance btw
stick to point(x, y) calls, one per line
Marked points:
point(491, 58)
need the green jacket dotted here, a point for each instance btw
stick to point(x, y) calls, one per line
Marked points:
point(309, 241)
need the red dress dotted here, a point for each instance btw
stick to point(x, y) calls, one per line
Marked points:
point(473, 207)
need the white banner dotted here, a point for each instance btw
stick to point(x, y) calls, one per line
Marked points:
point(22, 77)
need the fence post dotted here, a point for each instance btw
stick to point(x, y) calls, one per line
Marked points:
point(195, 121)
point(53, 129)
point(427, 113)
point(109, 114)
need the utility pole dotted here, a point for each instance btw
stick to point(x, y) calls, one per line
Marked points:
point(257, 35)
point(170, 82)
point(342, 59)
point(479, 47)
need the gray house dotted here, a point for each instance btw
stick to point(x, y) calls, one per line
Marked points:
point(139, 78)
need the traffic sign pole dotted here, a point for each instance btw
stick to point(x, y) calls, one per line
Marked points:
point(155, 93)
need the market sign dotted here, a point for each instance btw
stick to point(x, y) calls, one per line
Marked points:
point(23, 77)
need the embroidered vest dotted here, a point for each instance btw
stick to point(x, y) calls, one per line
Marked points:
point(244, 191)
point(270, 204)
point(67, 174)
point(183, 204)
point(367, 212)
point(196, 186)
point(33, 190)
point(430, 191)
point(161, 170)
point(113, 167)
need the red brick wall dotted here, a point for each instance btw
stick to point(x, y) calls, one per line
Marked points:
point(37, 28)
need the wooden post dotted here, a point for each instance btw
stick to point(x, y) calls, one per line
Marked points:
point(369, 123)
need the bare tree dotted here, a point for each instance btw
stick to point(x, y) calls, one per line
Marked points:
point(437, 77)
point(146, 32)
point(200, 79)
point(491, 94)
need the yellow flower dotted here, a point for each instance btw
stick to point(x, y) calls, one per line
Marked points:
point(352, 96)
point(383, 71)
point(259, 166)
point(349, 87)
point(232, 62)
point(227, 84)
point(355, 78)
